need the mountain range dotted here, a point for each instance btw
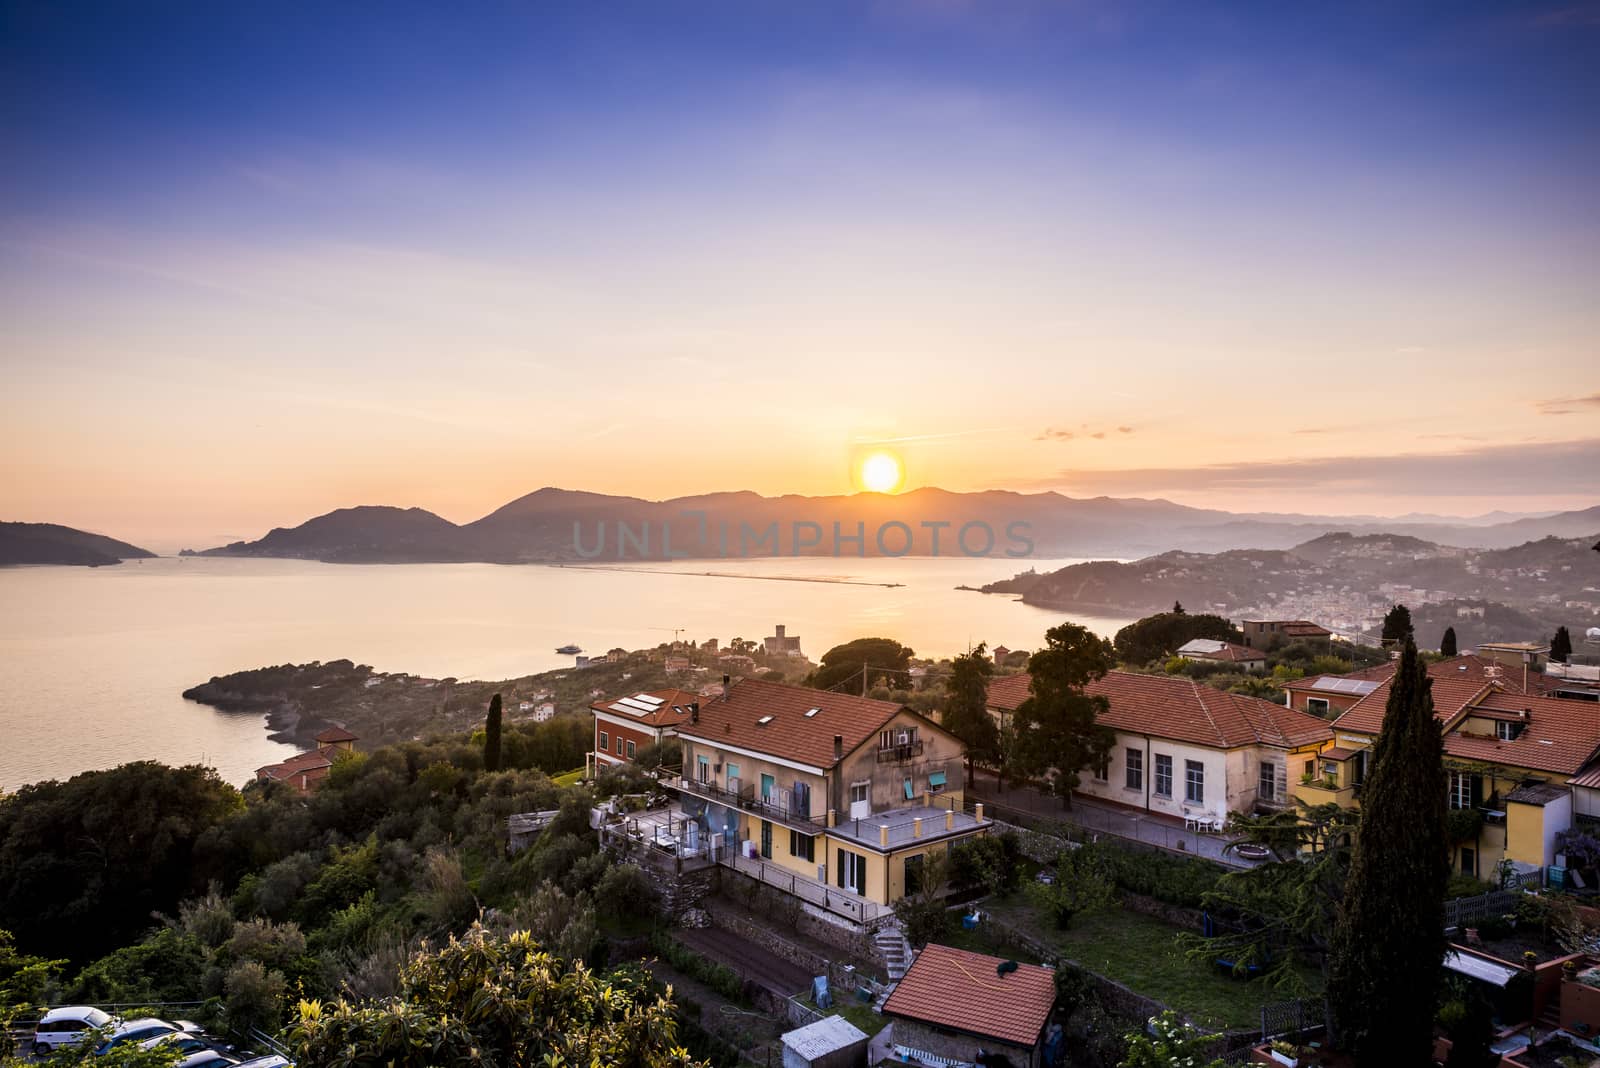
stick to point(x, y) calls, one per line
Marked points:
point(563, 526)
point(47, 543)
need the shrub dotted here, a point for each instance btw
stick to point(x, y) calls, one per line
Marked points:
point(254, 997)
point(625, 892)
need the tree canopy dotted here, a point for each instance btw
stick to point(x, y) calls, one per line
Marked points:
point(1057, 734)
point(498, 1003)
point(1397, 624)
point(1160, 635)
point(1561, 645)
point(1447, 644)
point(966, 713)
point(84, 863)
point(491, 736)
point(1389, 941)
point(844, 662)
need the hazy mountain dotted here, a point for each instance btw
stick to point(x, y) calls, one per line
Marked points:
point(48, 543)
point(558, 525)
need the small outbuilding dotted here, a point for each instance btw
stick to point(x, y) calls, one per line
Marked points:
point(831, 1042)
point(957, 1007)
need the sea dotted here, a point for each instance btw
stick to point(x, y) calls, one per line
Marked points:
point(94, 661)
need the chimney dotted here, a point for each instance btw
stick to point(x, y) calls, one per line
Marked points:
point(838, 747)
point(780, 630)
point(694, 711)
point(726, 681)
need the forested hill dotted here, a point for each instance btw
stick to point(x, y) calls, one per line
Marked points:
point(49, 543)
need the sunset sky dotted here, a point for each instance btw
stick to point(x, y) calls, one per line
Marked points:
point(260, 260)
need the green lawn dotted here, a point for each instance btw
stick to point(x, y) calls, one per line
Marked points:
point(847, 1005)
point(1141, 953)
point(568, 778)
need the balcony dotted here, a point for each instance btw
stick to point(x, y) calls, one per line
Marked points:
point(777, 807)
point(1322, 791)
point(899, 754)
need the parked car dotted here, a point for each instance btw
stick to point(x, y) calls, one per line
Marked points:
point(69, 1025)
point(141, 1030)
point(270, 1061)
point(186, 1042)
point(209, 1058)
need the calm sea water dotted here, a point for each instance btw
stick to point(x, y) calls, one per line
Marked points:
point(93, 661)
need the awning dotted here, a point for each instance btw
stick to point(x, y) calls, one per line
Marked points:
point(936, 778)
point(1487, 971)
point(910, 793)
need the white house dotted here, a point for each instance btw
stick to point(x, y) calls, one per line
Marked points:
point(1185, 749)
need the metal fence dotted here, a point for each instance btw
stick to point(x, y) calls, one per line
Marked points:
point(1281, 1018)
point(838, 902)
point(1460, 911)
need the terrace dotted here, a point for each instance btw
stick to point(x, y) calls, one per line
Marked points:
point(779, 807)
point(897, 828)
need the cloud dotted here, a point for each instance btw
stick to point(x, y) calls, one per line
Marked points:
point(1056, 434)
point(1567, 405)
point(1507, 470)
point(929, 437)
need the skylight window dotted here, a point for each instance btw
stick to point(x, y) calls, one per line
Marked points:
point(811, 712)
point(763, 721)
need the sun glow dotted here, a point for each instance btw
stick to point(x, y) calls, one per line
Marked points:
point(881, 472)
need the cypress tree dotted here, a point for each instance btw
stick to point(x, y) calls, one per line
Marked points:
point(491, 736)
point(1561, 645)
point(1447, 644)
point(1389, 941)
point(1397, 624)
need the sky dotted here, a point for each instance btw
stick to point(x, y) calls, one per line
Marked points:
point(261, 260)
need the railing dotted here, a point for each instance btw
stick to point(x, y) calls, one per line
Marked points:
point(839, 902)
point(1292, 1017)
point(897, 754)
point(775, 807)
point(1460, 911)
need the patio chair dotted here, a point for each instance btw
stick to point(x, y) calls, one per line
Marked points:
point(1191, 820)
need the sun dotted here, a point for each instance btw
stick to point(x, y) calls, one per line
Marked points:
point(881, 472)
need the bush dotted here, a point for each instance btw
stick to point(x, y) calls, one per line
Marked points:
point(254, 997)
point(1182, 881)
point(990, 863)
point(718, 977)
point(625, 892)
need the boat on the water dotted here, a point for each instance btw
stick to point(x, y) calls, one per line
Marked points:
point(569, 649)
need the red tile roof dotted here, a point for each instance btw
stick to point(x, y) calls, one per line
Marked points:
point(1175, 707)
point(1561, 735)
point(790, 733)
point(295, 765)
point(1466, 666)
point(960, 990)
point(335, 734)
point(673, 711)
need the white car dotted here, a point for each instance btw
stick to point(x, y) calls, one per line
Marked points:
point(208, 1058)
point(270, 1061)
point(141, 1031)
point(69, 1025)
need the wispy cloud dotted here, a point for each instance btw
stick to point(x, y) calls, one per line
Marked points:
point(1567, 405)
point(1083, 431)
point(909, 438)
point(1508, 470)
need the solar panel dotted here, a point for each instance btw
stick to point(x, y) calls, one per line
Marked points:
point(1356, 686)
point(649, 699)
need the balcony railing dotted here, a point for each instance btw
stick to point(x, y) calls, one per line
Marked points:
point(776, 807)
point(898, 754)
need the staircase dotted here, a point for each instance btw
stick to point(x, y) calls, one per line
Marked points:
point(890, 945)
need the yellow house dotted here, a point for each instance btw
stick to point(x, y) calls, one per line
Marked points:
point(1509, 757)
point(843, 792)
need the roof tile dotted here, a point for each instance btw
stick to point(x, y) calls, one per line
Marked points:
point(958, 989)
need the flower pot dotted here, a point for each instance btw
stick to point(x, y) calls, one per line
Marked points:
point(1283, 1058)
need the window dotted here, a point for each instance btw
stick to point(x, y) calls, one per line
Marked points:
point(1134, 776)
point(1360, 770)
point(1311, 769)
point(1163, 775)
point(766, 839)
point(1194, 782)
point(1466, 790)
point(803, 846)
point(936, 781)
point(605, 742)
point(914, 874)
point(858, 791)
point(702, 769)
point(897, 736)
point(800, 799)
point(733, 775)
point(1317, 706)
point(1469, 861)
point(631, 750)
point(766, 788)
point(911, 791)
point(1330, 771)
point(852, 872)
point(1267, 783)
point(1102, 771)
point(1507, 730)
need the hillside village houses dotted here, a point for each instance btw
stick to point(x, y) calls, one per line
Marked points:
point(304, 771)
point(1186, 750)
point(843, 793)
